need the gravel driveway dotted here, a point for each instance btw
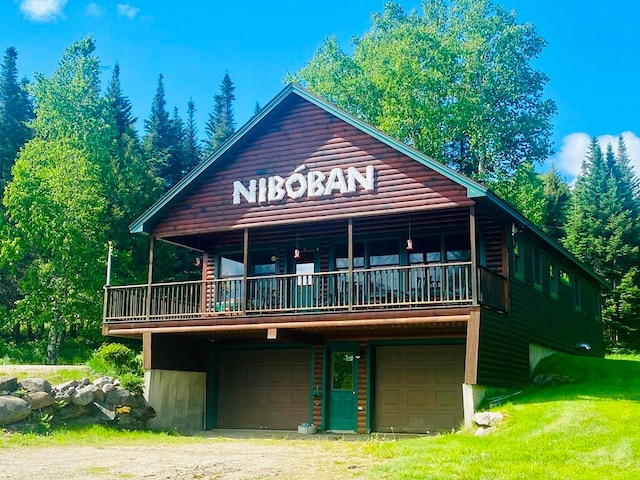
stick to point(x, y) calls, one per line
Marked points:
point(206, 458)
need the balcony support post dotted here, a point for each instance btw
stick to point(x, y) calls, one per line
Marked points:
point(152, 246)
point(245, 270)
point(350, 255)
point(475, 286)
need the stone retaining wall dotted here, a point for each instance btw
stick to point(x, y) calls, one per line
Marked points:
point(34, 403)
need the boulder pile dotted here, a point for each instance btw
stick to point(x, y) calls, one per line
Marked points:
point(34, 402)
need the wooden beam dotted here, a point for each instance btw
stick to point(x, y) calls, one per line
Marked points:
point(298, 337)
point(245, 262)
point(350, 256)
point(152, 243)
point(292, 325)
point(146, 350)
point(473, 344)
point(475, 284)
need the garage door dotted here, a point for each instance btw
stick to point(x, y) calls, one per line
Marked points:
point(267, 388)
point(419, 388)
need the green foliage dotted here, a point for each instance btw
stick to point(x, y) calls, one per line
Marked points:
point(455, 83)
point(525, 191)
point(120, 361)
point(603, 230)
point(221, 123)
point(557, 201)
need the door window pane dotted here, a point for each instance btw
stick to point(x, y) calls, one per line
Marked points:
point(342, 371)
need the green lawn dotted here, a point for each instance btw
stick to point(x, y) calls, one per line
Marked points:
point(586, 430)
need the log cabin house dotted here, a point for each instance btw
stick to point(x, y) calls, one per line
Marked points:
point(347, 281)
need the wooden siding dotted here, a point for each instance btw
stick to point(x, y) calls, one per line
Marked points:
point(535, 317)
point(317, 383)
point(362, 387)
point(307, 135)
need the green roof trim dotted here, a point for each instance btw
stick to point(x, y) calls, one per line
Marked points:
point(475, 190)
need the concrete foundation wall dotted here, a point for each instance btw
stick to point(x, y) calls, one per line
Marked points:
point(177, 397)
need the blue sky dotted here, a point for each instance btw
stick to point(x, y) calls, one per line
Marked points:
point(591, 59)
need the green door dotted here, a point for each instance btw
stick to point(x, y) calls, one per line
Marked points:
point(343, 391)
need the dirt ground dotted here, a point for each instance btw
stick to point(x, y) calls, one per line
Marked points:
point(211, 457)
point(228, 455)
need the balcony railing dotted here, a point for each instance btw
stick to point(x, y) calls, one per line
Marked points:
point(366, 289)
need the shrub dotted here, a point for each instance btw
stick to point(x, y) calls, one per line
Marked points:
point(117, 360)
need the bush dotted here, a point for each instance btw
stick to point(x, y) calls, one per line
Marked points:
point(117, 360)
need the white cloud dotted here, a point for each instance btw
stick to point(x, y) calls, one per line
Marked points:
point(126, 10)
point(576, 145)
point(42, 10)
point(94, 10)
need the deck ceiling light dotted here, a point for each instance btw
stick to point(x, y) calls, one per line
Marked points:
point(409, 241)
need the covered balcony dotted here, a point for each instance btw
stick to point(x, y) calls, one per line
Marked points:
point(303, 274)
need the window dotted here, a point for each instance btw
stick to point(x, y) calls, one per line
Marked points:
point(596, 304)
point(342, 259)
point(230, 268)
point(553, 280)
point(518, 260)
point(565, 277)
point(537, 269)
point(576, 294)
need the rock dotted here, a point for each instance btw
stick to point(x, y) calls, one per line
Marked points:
point(63, 398)
point(36, 385)
point(102, 381)
point(99, 395)
point(84, 381)
point(103, 413)
point(84, 396)
point(65, 386)
point(13, 409)
point(8, 384)
point(120, 396)
point(483, 431)
point(487, 419)
point(551, 379)
point(107, 387)
point(40, 400)
point(71, 412)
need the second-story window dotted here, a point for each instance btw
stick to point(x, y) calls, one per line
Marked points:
point(576, 294)
point(553, 280)
point(518, 260)
point(537, 269)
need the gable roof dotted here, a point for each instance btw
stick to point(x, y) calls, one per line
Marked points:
point(475, 190)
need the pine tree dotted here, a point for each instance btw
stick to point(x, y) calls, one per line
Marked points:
point(177, 153)
point(604, 231)
point(557, 200)
point(16, 109)
point(256, 109)
point(221, 123)
point(160, 141)
point(192, 147)
point(119, 104)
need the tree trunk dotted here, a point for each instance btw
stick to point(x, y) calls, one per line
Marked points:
point(55, 336)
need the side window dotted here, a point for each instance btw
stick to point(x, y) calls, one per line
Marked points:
point(518, 260)
point(537, 269)
point(553, 280)
point(577, 301)
point(565, 277)
point(596, 304)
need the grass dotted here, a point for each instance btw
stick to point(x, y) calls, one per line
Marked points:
point(584, 430)
point(55, 376)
